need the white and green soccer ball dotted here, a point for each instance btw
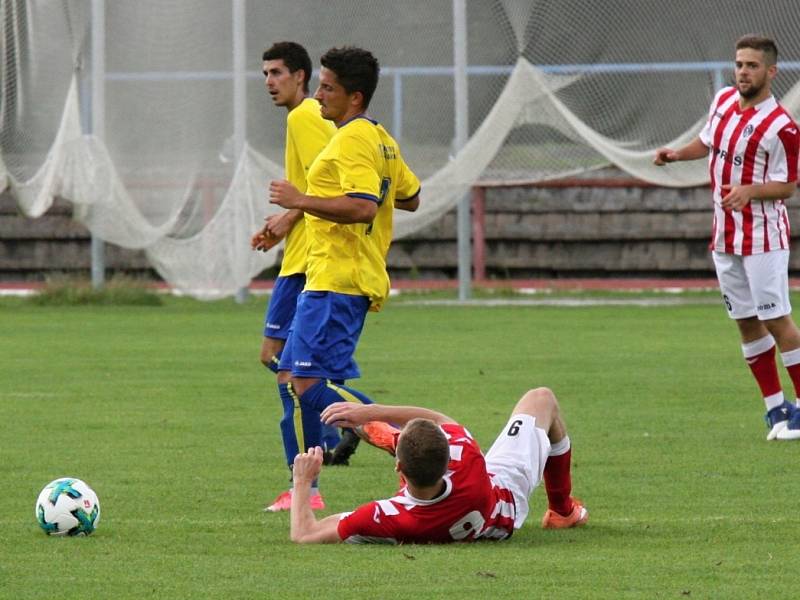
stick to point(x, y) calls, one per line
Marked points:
point(67, 506)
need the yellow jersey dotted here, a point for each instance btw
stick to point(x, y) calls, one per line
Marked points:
point(307, 133)
point(361, 160)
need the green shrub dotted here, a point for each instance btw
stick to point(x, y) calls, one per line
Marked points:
point(119, 291)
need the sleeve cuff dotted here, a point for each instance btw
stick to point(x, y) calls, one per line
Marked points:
point(411, 197)
point(364, 196)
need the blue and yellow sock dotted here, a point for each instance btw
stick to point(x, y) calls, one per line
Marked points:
point(288, 430)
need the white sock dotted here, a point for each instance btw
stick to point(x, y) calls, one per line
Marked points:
point(560, 447)
point(773, 401)
point(759, 346)
point(791, 358)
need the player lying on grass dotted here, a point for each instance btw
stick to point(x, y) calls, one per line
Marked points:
point(451, 492)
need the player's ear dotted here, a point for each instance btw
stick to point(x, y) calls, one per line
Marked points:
point(398, 467)
point(357, 99)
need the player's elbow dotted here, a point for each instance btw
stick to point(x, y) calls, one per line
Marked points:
point(409, 205)
point(299, 537)
point(789, 189)
point(366, 212)
point(311, 538)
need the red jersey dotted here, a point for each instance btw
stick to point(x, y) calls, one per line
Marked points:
point(751, 146)
point(470, 508)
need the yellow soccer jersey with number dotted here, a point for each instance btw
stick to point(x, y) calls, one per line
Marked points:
point(361, 160)
point(307, 133)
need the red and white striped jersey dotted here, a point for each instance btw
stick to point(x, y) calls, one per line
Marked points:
point(755, 145)
point(471, 507)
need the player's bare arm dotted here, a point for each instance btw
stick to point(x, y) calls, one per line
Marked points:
point(305, 529)
point(280, 225)
point(275, 229)
point(408, 204)
point(263, 240)
point(350, 414)
point(694, 150)
point(736, 197)
point(341, 209)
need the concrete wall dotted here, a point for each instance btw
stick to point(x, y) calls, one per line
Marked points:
point(552, 232)
point(54, 244)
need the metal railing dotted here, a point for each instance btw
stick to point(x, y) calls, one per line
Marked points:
point(717, 69)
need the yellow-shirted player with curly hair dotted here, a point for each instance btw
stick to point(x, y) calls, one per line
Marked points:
point(353, 187)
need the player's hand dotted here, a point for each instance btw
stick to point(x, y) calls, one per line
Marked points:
point(307, 465)
point(263, 240)
point(278, 226)
point(346, 414)
point(284, 194)
point(664, 156)
point(735, 197)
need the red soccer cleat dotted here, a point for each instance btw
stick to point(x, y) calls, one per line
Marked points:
point(317, 503)
point(379, 434)
point(577, 518)
point(284, 502)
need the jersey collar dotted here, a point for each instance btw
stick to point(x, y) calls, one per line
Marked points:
point(768, 102)
point(407, 499)
point(359, 116)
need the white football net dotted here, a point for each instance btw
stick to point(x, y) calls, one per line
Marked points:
point(140, 124)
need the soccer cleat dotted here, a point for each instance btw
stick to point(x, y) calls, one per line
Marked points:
point(284, 502)
point(577, 518)
point(345, 448)
point(792, 429)
point(317, 503)
point(777, 419)
point(379, 434)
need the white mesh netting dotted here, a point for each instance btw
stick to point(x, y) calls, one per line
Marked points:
point(168, 158)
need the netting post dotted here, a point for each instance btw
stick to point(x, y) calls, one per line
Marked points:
point(239, 97)
point(479, 232)
point(461, 97)
point(98, 111)
point(397, 107)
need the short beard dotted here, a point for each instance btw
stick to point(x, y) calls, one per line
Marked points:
point(750, 93)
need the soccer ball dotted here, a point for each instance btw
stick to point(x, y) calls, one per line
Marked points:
point(67, 506)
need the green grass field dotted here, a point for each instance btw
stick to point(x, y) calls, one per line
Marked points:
point(167, 413)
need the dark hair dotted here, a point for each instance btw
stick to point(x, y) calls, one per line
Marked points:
point(356, 70)
point(294, 56)
point(423, 452)
point(760, 42)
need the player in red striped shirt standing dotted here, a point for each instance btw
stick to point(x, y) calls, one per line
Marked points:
point(752, 145)
point(451, 492)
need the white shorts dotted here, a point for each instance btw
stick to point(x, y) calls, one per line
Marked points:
point(755, 285)
point(516, 460)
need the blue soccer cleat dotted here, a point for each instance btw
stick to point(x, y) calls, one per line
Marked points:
point(791, 431)
point(778, 418)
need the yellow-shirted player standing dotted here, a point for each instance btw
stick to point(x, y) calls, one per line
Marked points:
point(287, 71)
point(353, 187)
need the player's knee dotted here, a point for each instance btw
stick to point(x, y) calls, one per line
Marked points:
point(301, 384)
point(271, 349)
point(543, 396)
point(540, 402)
point(270, 362)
